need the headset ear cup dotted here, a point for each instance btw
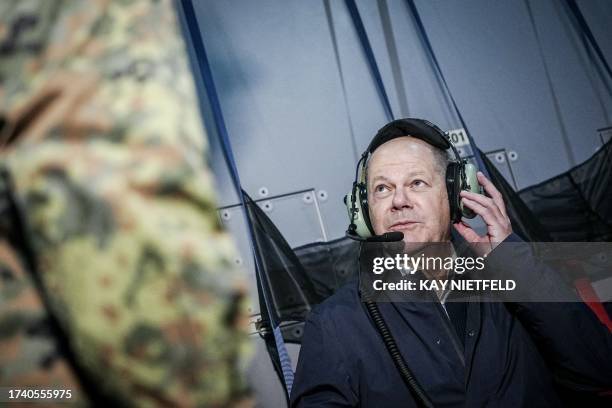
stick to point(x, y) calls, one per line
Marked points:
point(365, 208)
point(472, 185)
point(360, 219)
point(455, 174)
point(453, 188)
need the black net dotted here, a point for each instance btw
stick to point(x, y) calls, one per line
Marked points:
point(291, 290)
point(576, 205)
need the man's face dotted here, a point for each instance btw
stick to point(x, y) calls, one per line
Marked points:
point(407, 192)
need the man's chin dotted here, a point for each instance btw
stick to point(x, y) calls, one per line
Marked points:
point(414, 246)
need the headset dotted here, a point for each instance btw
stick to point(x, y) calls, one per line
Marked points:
point(460, 175)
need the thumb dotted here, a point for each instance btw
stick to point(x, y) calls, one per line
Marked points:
point(466, 232)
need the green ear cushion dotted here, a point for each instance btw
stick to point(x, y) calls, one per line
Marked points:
point(454, 185)
point(472, 185)
point(360, 220)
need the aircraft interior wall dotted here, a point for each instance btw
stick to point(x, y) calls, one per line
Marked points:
point(300, 102)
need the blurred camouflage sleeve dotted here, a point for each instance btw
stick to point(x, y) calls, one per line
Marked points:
point(101, 133)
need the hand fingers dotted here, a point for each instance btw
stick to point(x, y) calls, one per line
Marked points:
point(472, 237)
point(485, 202)
point(492, 191)
point(487, 214)
point(467, 232)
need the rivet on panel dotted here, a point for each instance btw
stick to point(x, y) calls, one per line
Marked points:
point(267, 206)
point(307, 198)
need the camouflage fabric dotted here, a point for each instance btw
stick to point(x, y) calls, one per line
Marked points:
point(102, 137)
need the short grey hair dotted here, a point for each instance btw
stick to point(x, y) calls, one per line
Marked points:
point(441, 160)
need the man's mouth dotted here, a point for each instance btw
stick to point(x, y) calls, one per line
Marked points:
point(401, 225)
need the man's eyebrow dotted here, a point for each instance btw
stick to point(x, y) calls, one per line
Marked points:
point(380, 177)
point(410, 173)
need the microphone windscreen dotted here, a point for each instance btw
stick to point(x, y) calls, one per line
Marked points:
point(394, 236)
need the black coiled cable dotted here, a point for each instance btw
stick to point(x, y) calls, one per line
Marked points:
point(418, 393)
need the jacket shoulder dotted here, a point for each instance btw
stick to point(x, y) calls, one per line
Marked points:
point(344, 303)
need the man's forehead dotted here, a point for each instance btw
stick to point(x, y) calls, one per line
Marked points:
point(402, 150)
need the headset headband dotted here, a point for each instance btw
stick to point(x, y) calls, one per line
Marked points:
point(418, 128)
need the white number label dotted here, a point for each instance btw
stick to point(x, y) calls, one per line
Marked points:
point(458, 137)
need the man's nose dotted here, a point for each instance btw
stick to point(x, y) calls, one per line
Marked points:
point(401, 199)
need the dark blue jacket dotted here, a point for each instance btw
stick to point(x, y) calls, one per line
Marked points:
point(512, 355)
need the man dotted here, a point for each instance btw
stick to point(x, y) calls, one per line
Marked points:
point(472, 355)
point(120, 287)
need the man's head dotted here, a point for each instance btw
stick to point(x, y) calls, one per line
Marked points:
point(407, 190)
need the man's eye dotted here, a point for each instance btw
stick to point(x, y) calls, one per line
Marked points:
point(419, 183)
point(381, 188)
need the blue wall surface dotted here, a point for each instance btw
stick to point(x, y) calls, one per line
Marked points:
point(300, 102)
